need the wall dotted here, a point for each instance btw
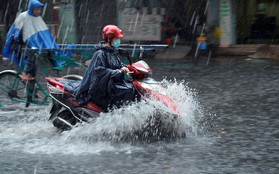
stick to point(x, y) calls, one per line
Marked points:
point(245, 11)
point(213, 13)
point(140, 22)
point(227, 23)
point(91, 17)
point(67, 28)
point(273, 10)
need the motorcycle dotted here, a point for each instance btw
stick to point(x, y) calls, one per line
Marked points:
point(66, 113)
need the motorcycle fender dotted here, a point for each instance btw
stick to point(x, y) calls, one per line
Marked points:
point(56, 107)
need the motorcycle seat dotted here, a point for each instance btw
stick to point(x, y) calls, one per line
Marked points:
point(72, 85)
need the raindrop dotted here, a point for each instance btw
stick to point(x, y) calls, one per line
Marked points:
point(72, 26)
point(82, 40)
point(175, 40)
point(196, 22)
point(13, 56)
point(59, 30)
point(192, 20)
point(66, 35)
point(101, 11)
point(18, 12)
point(206, 8)
point(134, 49)
point(208, 58)
point(19, 5)
point(142, 20)
point(26, 5)
point(87, 17)
point(136, 22)
point(131, 23)
point(6, 12)
point(197, 49)
point(203, 27)
point(35, 169)
point(53, 42)
point(44, 10)
point(80, 7)
point(141, 52)
point(41, 46)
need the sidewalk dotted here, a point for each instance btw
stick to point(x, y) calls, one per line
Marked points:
point(251, 50)
point(238, 50)
point(241, 50)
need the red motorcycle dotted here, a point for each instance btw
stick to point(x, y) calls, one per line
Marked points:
point(66, 112)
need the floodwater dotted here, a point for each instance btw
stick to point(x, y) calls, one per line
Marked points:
point(229, 109)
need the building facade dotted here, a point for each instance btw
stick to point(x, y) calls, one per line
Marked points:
point(155, 21)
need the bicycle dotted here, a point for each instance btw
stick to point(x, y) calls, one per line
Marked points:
point(32, 92)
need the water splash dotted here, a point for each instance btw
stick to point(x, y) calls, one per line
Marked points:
point(189, 108)
point(32, 132)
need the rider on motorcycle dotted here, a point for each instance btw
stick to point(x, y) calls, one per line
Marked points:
point(103, 82)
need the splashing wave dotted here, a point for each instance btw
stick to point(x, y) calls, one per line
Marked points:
point(32, 132)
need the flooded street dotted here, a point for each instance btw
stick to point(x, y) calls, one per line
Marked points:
point(229, 108)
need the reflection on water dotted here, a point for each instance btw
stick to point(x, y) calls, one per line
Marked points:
point(229, 109)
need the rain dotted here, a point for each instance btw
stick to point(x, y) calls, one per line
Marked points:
point(203, 76)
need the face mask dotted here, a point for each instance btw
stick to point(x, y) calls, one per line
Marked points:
point(116, 43)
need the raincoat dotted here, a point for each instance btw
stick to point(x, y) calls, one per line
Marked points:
point(103, 83)
point(29, 30)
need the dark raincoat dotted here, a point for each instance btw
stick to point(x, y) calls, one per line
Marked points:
point(103, 83)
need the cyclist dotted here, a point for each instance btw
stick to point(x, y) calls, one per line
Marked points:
point(28, 30)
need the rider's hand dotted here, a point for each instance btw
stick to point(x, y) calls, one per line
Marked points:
point(125, 70)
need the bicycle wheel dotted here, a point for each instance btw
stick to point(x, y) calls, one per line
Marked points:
point(11, 86)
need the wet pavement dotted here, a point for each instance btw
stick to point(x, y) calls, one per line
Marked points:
point(230, 109)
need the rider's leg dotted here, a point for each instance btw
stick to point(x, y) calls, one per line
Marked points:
point(29, 72)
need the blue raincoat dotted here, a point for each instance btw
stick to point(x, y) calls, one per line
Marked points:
point(103, 83)
point(30, 30)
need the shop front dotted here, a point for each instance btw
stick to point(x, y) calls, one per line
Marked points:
point(257, 21)
point(245, 22)
point(161, 21)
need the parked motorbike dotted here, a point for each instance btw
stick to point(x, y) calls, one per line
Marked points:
point(66, 113)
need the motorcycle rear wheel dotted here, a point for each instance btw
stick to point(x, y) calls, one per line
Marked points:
point(64, 120)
